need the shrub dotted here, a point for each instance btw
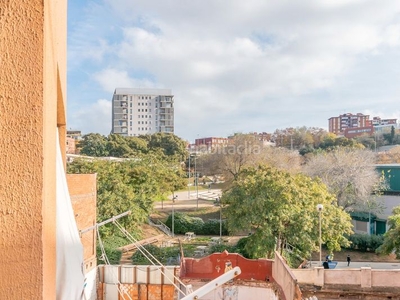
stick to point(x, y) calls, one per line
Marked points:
point(166, 256)
point(138, 258)
point(111, 243)
point(212, 227)
point(241, 247)
point(184, 223)
point(365, 242)
point(113, 255)
point(221, 248)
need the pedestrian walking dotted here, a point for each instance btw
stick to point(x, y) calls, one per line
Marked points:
point(325, 264)
point(348, 260)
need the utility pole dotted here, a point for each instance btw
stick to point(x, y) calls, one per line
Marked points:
point(189, 171)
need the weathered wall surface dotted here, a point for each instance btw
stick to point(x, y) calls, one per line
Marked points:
point(32, 105)
point(285, 278)
point(214, 265)
point(82, 189)
point(137, 282)
point(351, 280)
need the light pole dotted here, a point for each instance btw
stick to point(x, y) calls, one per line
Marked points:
point(195, 177)
point(220, 219)
point(173, 201)
point(189, 173)
point(320, 207)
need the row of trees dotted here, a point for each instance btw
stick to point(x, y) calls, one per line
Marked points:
point(274, 193)
point(348, 172)
point(308, 139)
point(168, 146)
point(131, 184)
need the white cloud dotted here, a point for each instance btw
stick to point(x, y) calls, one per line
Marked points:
point(110, 79)
point(255, 65)
point(95, 117)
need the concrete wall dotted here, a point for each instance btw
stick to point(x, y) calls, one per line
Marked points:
point(139, 282)
point(237, 291)
point(212, 266)
point(351, 279)
point(32, 107)
point(284, 277)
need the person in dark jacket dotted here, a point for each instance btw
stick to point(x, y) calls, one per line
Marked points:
point(326, 264)
point(348, 260)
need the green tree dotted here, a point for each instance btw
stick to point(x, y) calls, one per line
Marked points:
point(280, 210)
point(391, 242)
point(389, 137)
point(118, 146)
point(169, 146)
point(93, 144)
point(172, 146)
point(367, 140)
point(131, 184)
point(299, 138)
point(137, 144)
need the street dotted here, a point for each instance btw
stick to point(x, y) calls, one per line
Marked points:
point(358, 265)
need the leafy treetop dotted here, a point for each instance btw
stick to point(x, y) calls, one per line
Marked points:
point(280, 210)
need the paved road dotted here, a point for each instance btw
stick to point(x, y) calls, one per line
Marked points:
point(358, 265)
point(186, 200)
point(202, 193)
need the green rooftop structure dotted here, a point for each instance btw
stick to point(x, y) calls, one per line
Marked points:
point(392, 176)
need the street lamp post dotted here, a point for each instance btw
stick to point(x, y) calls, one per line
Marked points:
point(320, 207)
point(189, 173)
point(196, 178)
point(220, 219)
point(173, 202)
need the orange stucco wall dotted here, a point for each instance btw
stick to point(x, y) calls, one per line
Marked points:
point(32, 106)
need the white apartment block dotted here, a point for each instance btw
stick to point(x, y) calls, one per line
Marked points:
point(142, 111)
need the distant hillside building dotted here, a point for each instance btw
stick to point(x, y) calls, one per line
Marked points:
point(210, 142)
point(380, 124)
point(142, 111)
point(75, 134)
point(350, 125)
point(338, 125)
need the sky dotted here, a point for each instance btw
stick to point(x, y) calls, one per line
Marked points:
point(235, 66)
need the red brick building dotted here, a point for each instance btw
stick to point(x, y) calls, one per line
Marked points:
point(210, 142)
point(351, 125)
point(338, 125)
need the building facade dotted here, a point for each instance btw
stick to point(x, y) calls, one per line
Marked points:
point(351, 125)
point(209, 143)
point(338, 125)
point(142, 111)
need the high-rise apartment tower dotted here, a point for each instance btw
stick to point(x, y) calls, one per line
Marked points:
point(142, 111)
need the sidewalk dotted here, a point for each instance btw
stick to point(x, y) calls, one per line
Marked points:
point(206, 194)
point(358, 265)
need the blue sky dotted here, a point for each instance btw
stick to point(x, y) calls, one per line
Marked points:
point(235, 66)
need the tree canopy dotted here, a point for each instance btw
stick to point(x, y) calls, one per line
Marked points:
point(391, 242)
point(349, 174)
point(245, 150)
point(131, 184)
point(168, 145)
point(280, 210)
